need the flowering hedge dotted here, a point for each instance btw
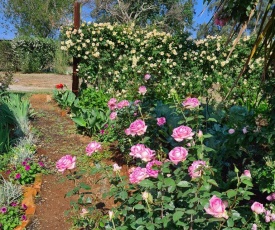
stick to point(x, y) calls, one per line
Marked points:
point(115, 56)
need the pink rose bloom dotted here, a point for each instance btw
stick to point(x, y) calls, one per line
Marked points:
point(137, 102)
point(147, 77)
point(195, 169)
point(216, 208)
point(153, 172)
point(178, 154)
point(138, 175)
point(123, 104)
point(182, 132)
point(113, 115)
point(138, 127)
point(65, 162)
point(231, 131)
point(116, 168)
point(246, 173)
point(161, 121)
point(200, 134)
point(271, 197)
point(140, 151)
point(254, 227)
point(191, 103)
point(92, 148)
point(127, 132)
point(245, 130)
point(112, 103)
point(257, 208)
point(142, 90)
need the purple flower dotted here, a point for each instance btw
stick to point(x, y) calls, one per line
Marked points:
point(23, 217)
point(17, 176)
point(24, 207)
point(4, 210)
point(41, 164)
point(13, 204)
point(27, 167)
point(24, 163)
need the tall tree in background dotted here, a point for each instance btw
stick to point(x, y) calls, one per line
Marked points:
point(170, 15)
point(40, 18)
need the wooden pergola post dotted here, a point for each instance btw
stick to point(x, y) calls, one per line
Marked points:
point(75, 83)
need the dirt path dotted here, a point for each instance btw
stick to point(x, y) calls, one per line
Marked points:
point(39, 82)
point(56, 138)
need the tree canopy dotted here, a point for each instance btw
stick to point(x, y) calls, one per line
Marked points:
point(40, 18)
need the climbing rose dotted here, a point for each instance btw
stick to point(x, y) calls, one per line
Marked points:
point(161, 121)
point(93, 147)
point(216, 208)
point(200, 134)
point(271, 197)
point(195, 169)
point(254, 227)
point(178, 154)
point(65, 162)
point(113, 115)
point(112, 103)
point(257, 207)
point(140, 151)
point(138, 127)
point(191, 103)
point(182, 132)
point(142, 90)
point(138, 175)
point(153, 164)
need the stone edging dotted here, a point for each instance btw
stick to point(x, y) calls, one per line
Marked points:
point(29, 200)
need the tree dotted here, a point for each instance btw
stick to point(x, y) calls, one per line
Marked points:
point(170, 15)
point(41, 18)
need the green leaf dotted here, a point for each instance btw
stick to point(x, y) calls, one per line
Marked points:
point(230, 223)
point(212, 119)
point(213, 182)
point(123, 195)
point(177, 215)
point(146, 183)
point(85, 186)
point(79, 121)
point(138, 206)
point(183, 184)
point(248, 182)
point(191, 212)
point(231, 193)
point(169, 182)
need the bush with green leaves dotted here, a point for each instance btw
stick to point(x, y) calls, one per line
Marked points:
point(34, 54)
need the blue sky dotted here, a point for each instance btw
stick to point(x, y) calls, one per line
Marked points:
point(10, 32)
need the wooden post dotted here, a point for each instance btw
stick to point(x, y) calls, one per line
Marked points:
point(75, 83)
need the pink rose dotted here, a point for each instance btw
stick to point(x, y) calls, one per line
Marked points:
point(246, 173)
point(137, 102)
point(138, 127)
point(153, 172)
point(231, 131)
point(140, 151)
point(138, 175)
point(182, 132)
point(254, 227)
point(271, 197)
point(178, 154)
point(200, 134)
point(161, 121)
point(216, 208)
point(127, 132)
point(65, 162)
point(191, 103)
point(195, 169)
point(92, 148)
point(113, 115)
point(245, 130)
point(257, 208)
point(112, 103)
point(116, 168)
point(147, 77)
point(142, 90)
point(123, 104)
